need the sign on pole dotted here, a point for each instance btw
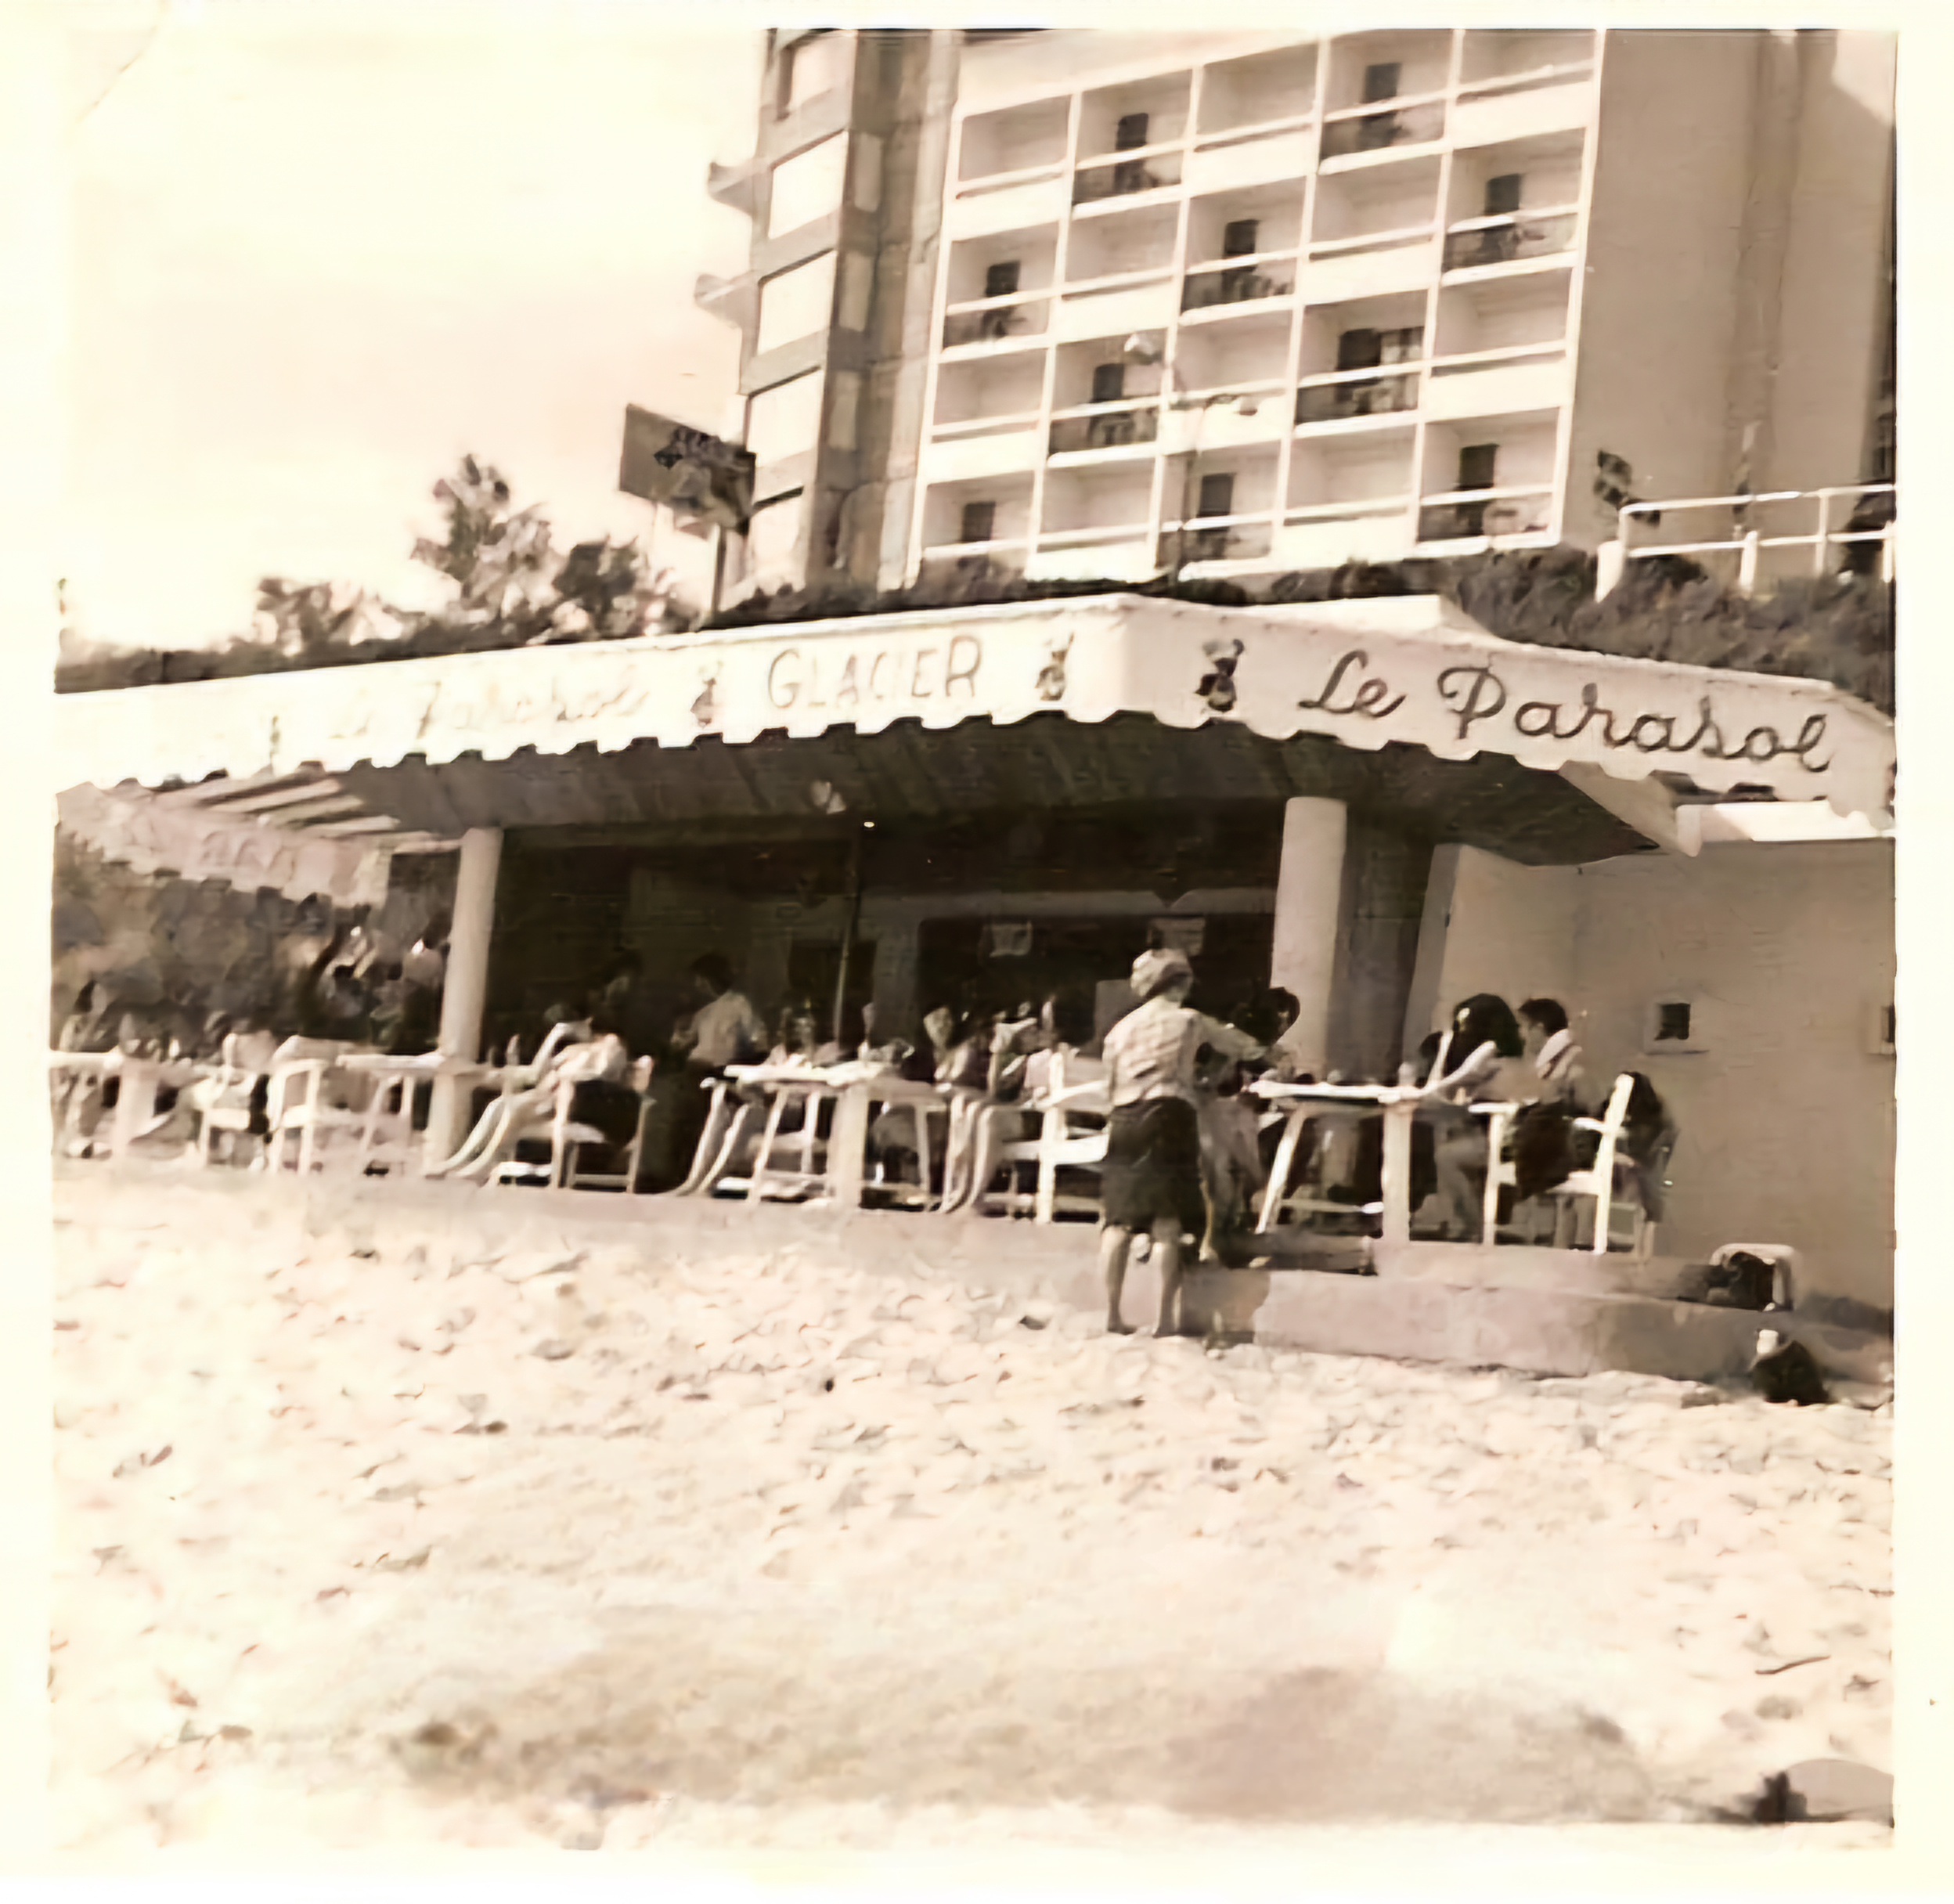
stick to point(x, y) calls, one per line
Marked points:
point(692, 474)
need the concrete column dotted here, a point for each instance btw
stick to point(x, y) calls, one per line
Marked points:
point(895, 960)
point(465, 986)
point(1308, 895)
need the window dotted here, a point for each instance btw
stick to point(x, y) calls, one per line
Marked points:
point(1108, 382)
point(1405, 346)
point(1502, 195)
point(1359, 350)
point(1238, 237)
point(1001, 280)
point(1673, 1027)
point(1130, 134)
point(1380, 82)
point(1672, 1021)
point(1477, 464)
point(979, 522)
point(1217, 495)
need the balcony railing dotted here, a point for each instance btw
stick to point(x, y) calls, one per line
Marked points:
point(1121, 177)
point(1378, 128)
point(1242, 539)
point(993, 324)
point(1235, 284)
point(1850, 529)
point(1351, 394)
point(1502, 240)
point(1468, 514)
point(1105, 430)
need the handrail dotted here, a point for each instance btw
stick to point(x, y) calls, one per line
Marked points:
point(1749, 545)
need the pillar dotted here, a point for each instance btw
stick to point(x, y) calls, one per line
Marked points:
point(1309, 894)
point(465, 985)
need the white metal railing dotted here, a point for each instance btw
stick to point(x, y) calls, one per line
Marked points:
point(1833, 512)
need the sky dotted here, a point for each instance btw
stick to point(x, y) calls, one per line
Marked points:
point(317, 252)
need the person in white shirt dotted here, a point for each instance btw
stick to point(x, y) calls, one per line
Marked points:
point(1550, 1048)
point(724, 1030)
point(1151, 1178)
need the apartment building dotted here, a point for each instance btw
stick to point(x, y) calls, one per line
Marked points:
point(1228, 304)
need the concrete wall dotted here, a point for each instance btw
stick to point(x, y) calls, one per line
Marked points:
point(1659, 304)
point(1831, 328)
point(1786, 953)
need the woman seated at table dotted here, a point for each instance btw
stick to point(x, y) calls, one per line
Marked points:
point(1027, 1053)
point(571, 1053)
point(797, 1046)
point(1486, 1064)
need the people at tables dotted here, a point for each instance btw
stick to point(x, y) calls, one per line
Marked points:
point(723, 1029)
point(1551, 1049)
point(1014, 1074)
point(1486, 1057)
point(571, 1054)
point(1152, 1178)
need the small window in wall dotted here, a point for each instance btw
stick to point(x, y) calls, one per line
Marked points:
point(1380, 82)
point(1477, 463)
point(1108, 382)
point(1001, 279)
point(1880, 1029)
point(1502, 195)
point(1238, 237)
point(1217, 495)
point(1673, 1026)
point(978, 522)
point(1130, 134)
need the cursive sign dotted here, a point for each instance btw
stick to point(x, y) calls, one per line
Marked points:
point(1476, 696)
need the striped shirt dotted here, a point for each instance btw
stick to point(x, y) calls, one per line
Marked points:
point(1150, 1051)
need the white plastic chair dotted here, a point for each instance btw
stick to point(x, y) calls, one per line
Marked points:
point(225, 1110)
point(1072, 1135)
point(296, 1102)
point(1598, 1182)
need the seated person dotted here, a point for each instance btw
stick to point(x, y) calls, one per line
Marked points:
point(570, 1054)
point(1017, 1039)
point(1550, 1050)
point(1485, 1054)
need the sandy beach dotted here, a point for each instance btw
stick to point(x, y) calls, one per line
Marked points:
point(383, 1532)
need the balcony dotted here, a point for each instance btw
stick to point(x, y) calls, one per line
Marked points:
point(1475, 244)
point(1346, 396)
point(1126, 178)
point(1383, 128)
point(1104, 429)
point(1243, 283)
point(1489, 515)
point(994, 323)
point(1205, 543)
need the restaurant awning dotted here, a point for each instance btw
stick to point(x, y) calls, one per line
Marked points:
point(1396, 672)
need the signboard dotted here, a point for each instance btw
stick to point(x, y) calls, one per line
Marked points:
point(1366, 674)
point(691, 473)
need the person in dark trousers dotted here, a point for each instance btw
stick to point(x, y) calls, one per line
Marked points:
point(1152, 1178)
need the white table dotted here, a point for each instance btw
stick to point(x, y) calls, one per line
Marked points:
point(141, 1078)
point(855, 1092)
point(1399, 1104)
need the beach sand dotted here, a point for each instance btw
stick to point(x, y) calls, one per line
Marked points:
point(379, 1532)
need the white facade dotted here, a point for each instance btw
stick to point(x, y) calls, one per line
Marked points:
point(1375, 296)
point(1242, 303)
